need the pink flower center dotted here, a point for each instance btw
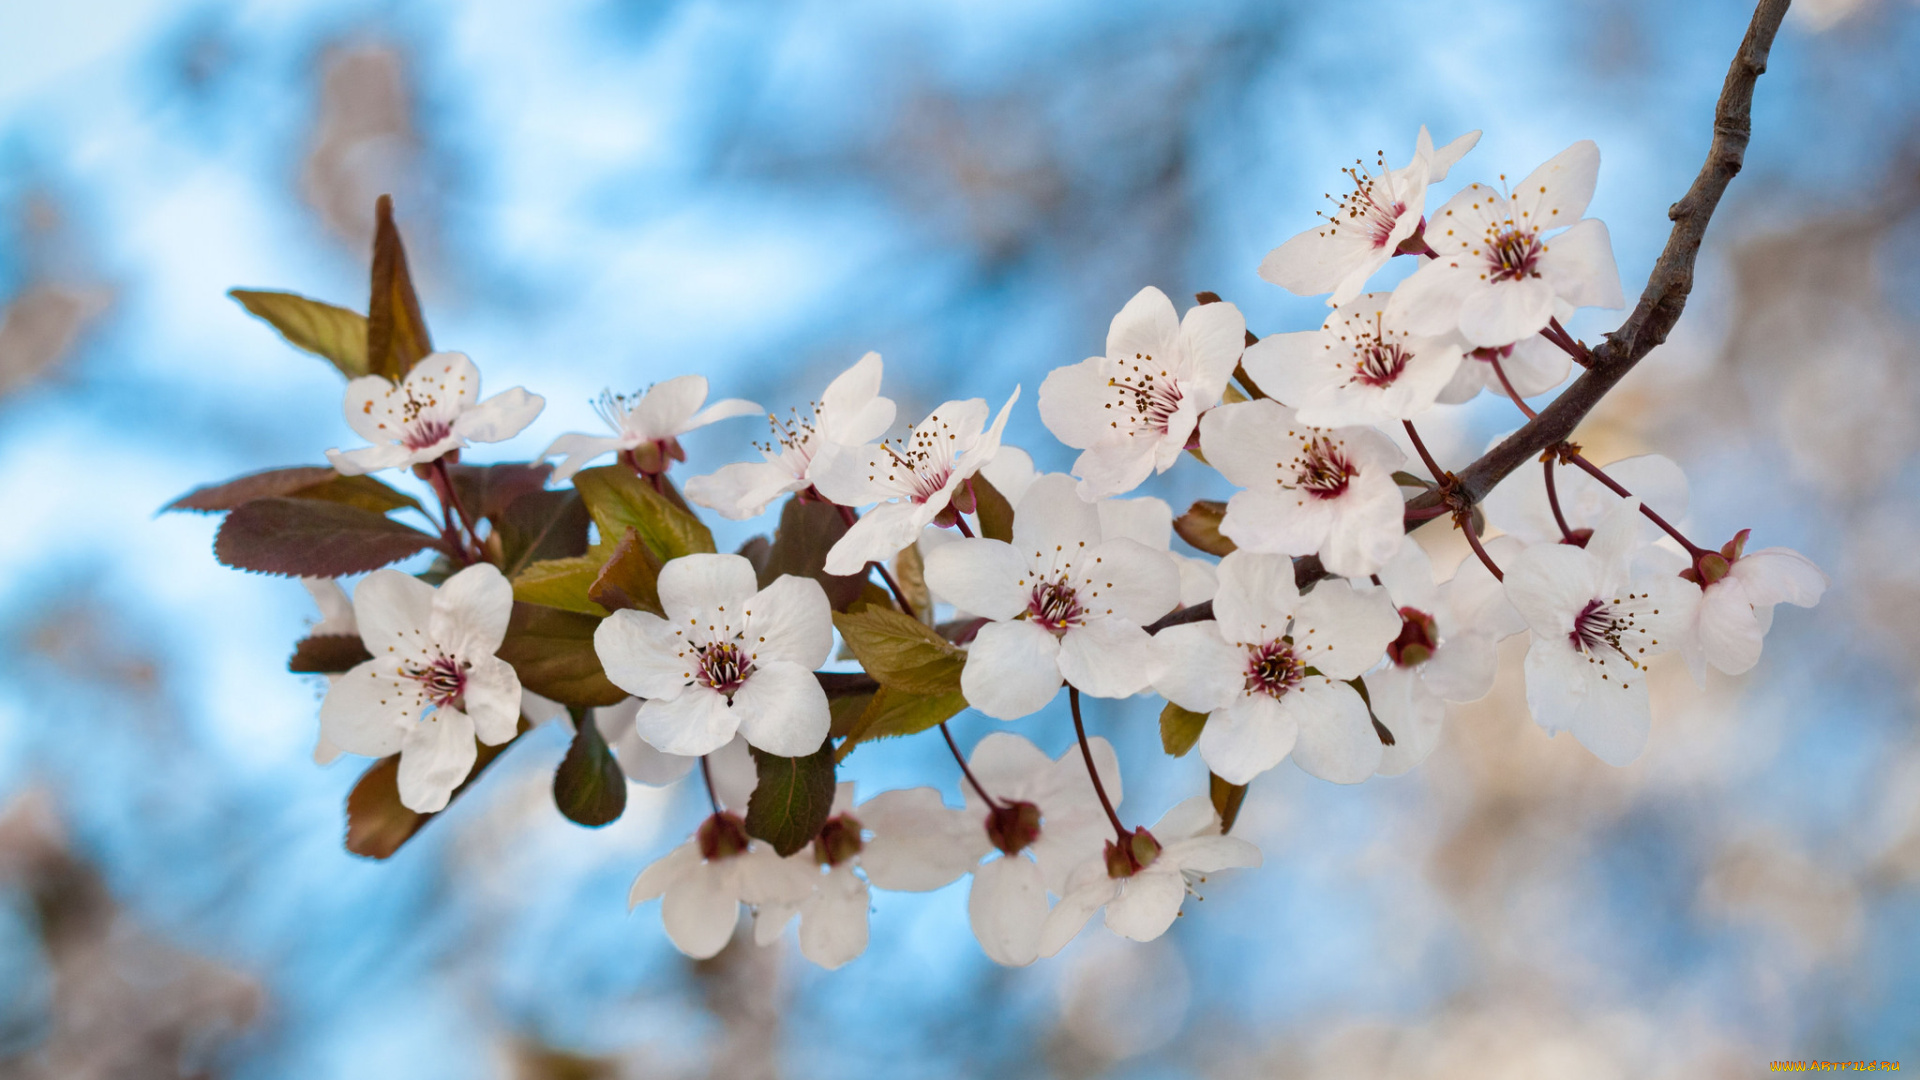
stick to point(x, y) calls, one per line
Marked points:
point(1371, 207)
point(723, 667)
point(1322, 469)
point(443, 678)
point(1512, 254)
point(1272, 669)
point(1597, 625)
point(1054, 605)
point(1380, 362)
point(424, 433)
point(1153, 398)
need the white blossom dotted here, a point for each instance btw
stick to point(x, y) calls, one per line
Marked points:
point(1133, 410)
point(1310, 490)
point(1533, 365)
point(913, 484)
point(1498, 272)
point(1366, 227)
point(434, 683)
point(1181, 849)
point(1066, 604)
point(727, 657)
point(1360, 367)
point(1728, 624)
point(434, 411)
point(1594, 628)
point(702, 883)
point(1247, 670)
point(652, 420)
point(849, 415)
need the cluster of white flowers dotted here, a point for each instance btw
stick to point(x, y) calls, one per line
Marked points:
point(1316, 631)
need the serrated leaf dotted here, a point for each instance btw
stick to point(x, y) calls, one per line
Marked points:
point(326, 330)
point(378, 822)
point(629, 579)
point(297, 482)
point(487, 490)
point(1180, 729)
point(311, 538)
point(540, 526)
point(845, 711)
point(893, 713)
point(807, 531)
point(396, 332)
point(993, 510)
point(552, 652)
point(792, 799)
point(328, 654)
point(1200, 526)
point(1226, 800)
point(589, 787)
point(561, 583)
point(900, 651)
point(620, 500)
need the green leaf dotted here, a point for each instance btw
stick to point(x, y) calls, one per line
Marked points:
point(893, 713)
point(325, 330)
point(629, 579)
point(539, 526)
point(552, 652)
point(808, 530)
point(588, 787)
point(792, 799)
point(396, 332)
point(1226, 800)
point(993, 510)
point(309, 538)
point(1200, 526)
point(298, 482)
point(846, 710)
point(910, 573)
point(1180, 729)
point(328, 654)
point(901, 652)
point(561, 584)
point(378, 822)
point(620, 500)
point(1407, 479)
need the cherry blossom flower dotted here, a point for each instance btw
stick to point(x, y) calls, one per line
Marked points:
point(1519, 506)
point(336, 618)
point(1735, 610)
point(1358, 368)
point(913, 485)
point(1150, 521)
point(728, 657)
point(1594, 627)
point(1247, 669)
point(434, 683)
point(1045, 818)
point(1533, 365)
point(907, 840)
point(435, 411)
point(1066, 604)
point(637, 758)
point(1497, 273)
point(1309, 490)
point(648, 424)
point(1133, 410)
point(702, 883)
point(1143, 885)
point(1367, 226)
point(849, 415)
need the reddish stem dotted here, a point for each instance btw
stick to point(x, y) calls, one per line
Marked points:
point(1501, 372)
point(450, 500)
point(1553, 500)
point(1439, 475)
point(1474, 542)
point(1593, 470)
point(1086, 751)
point(965, 771)
point(707, 775)
point(961, 523)
point(898, 593)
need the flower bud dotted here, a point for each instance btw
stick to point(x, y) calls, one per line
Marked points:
point(1419, 636)
point(1013, 827)
point(721, 836)
point(1128, 859)
point(837, 841)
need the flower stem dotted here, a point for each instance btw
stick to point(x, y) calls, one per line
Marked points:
point(899, 594)
point(965, 771)
point(450, 500)
point(1511, 392)
point(1553, 500)
point(1474, 542)
point(706, 773)
point(961, 523)
point(1693, 550)
point(1439, 474)
point(1086, 751)
point(1557, 334)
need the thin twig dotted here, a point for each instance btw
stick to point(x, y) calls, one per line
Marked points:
point(1593, 470)
point(1553, 500)
point(1080, 731)
point(706, 774)
point(1473, 541)
point(898, 593)
point(965, 771)
point(1439, 474)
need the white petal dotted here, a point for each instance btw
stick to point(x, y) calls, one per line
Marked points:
point(659, 876)
point(694, 586)
point(792, 620)
point(641, 763)
point(1007, 908)
point(1257, 597)
point(1286, 366)
point(1125, 579)
point(1278, 521)
point(980, 576)
point(1071, 404)
point(578, 450)
point(1012, 670)
point(1147, 904)
point(1315, 261)
point(1502, 312)
point(833, 922)
point(492, 698)
point(851, 410)
point(700, 911)
point(642, 654)
point(664, 411)
point(1429, 302)
point(500, 417)
point(878, 536)
point(1337, 740)
point(1214, 337)
point(1557, 193)
point(1248, 737)
point(1115, 468)
point(1244, 440)
point(1145, 520)
point(1092, 889)
point(781, 709)
point(1366, 525)
point(1446, 157)
point(1579, 265)
point(1010, 472)
point(470, 611)
point(1107, 658)
point(1195, 668)
point(1147, 330)
point(697, 722)
point(1463, 667)
point(1052, 523)
point(726, 409)
point(436, 755)
point(1402, 701)
point(919, 843)
point(1780, 575)
point(742, 490)
point(1615, 718)
point(1343, 632)
point(367, 711)
point(392, 610)
point(1549, 584)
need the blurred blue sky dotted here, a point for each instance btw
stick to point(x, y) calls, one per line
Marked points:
point(600, 192)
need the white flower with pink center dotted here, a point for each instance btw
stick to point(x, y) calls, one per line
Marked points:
point(1594, 627)
point(1067, 604)
point(648, 425)
point(702, 883)
point(433, 412)
point(1247, 669)
point(913, 484)
point(1738, 592)
point(1133, 410)
point(434, 683)
point(728, 657)
point(1324, 491)
point(1504, 260)
point(848, 416)
point(1532, 365)
point(1366, 226)
point(1359, 368)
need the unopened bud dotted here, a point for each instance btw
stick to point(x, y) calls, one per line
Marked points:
point(1419, 636)
point(837, 841)
point(721, 836)
point(1013, 827)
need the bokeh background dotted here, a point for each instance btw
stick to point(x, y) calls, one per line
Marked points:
point(604, 192)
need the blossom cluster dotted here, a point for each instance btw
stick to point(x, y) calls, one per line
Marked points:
point(1310, 626)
